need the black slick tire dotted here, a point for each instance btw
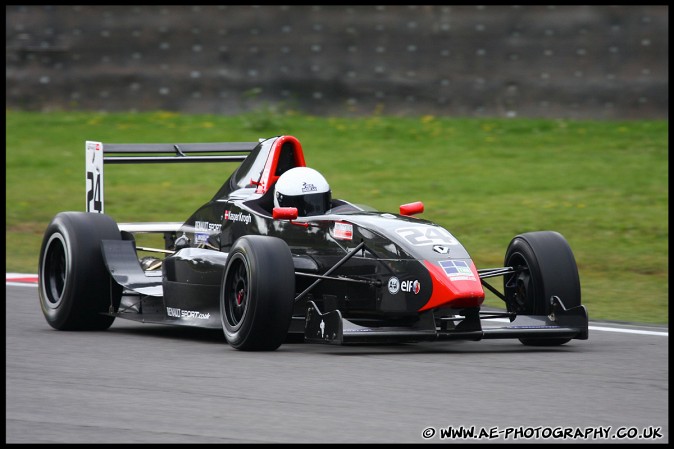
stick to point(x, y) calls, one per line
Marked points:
point(74, 285)
point(257, 293)
point(549, 270)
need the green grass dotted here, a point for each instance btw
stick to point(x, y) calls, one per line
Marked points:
point(602, 184)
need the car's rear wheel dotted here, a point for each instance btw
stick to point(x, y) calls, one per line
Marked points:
point(75, 287)
point(257, 293)
point(549, 269)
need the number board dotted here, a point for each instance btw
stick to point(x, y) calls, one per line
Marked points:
point(94, 180)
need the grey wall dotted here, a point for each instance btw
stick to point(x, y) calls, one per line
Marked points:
point(515, 61)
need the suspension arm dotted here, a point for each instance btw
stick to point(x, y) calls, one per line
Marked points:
point(493, 290)
point(493, 272)
point(332, 278)
point(334, 267)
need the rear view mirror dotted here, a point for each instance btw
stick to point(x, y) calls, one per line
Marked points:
point(412, 208)
point(284, 213)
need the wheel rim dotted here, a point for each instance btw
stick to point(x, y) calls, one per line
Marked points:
point(54, 270)
point(519, 288)
point(237, 291)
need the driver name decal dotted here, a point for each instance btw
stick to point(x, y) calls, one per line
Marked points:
point(232, 216)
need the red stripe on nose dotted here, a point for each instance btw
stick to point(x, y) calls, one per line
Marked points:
point(466, 292)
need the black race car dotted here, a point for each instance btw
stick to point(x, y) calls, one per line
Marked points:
point(267, 265)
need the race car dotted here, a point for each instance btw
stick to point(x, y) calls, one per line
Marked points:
point(272, 257)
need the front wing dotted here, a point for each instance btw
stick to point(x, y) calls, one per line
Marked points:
point(332, 328)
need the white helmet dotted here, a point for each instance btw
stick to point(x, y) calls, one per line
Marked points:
point(303, 188)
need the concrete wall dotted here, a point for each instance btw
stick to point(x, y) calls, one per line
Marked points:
point(504, 61)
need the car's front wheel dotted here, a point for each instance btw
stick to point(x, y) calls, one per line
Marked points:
point(257, 293)
point(547, 268)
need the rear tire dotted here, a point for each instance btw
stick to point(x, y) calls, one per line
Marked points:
point(550, 270)
point(74, 284)
point(257, 293)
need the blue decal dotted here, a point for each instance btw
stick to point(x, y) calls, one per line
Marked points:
point(455, 267)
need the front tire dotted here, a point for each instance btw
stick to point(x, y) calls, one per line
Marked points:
point(549, 270)
point(257, 293)
point(75, 287)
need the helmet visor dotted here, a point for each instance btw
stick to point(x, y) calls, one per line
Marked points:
point(309, 204)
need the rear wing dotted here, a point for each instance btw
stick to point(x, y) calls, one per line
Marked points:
point(99, 154)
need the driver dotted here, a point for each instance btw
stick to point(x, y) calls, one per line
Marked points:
point(303, 188)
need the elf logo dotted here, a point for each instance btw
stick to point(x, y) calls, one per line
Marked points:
point(410, 286)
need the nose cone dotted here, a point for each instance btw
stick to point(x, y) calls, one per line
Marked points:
point(455, 284)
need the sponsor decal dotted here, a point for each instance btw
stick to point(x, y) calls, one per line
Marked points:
point(393, 285)
point(210, 228)
point(306, 187)
point(240, 216)
point(411, 286)
point(206, 226)
point(179, 313)
point(426, 235)
point(343, 231)
point(457, 270)
point(441, 249)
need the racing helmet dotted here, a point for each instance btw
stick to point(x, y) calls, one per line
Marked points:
point(303, 188)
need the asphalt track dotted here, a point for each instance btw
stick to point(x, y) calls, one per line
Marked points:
point(144, 383)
